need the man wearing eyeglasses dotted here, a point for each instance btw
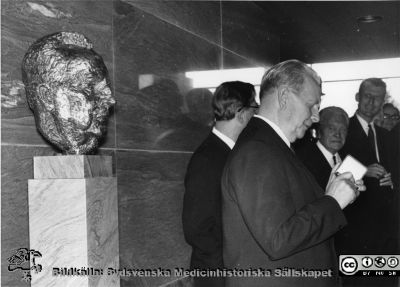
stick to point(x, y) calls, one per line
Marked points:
point(233, 105)
point(390, 116)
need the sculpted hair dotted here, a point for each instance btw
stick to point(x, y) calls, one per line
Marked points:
point(376, 82)
point(229, 97)
point(60, 58)
point(327, 113)
point(290, 73)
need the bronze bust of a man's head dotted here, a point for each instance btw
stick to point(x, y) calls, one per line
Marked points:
point(68, 88)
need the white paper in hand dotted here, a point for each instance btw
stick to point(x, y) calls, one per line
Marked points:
point(354, 166)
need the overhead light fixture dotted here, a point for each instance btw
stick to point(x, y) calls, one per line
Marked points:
point(369, 19)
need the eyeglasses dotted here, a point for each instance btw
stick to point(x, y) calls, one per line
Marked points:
point(392, 117)
point(254, 107)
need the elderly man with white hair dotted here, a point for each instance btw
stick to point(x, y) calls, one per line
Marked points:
point(322, 156)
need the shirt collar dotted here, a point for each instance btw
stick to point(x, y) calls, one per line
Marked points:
point(364, 124)
point(227, 140)
point(275, 128)
point(327, 154)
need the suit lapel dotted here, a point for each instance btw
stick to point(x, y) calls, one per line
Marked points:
point(310, 177)
point(358, 129)
point(322, 158)
point(216, 141)
point(263, 131)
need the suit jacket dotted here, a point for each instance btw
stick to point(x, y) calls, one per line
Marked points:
point(275, 215)
point(315, 161)
point(202, 203)
point(395, 155)
point(357, 145)
point(372, 218)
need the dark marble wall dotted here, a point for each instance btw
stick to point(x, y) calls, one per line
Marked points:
point(158, 120)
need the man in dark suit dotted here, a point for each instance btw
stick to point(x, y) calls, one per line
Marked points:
point(233, 104)
point(369, 231)
point(373, 219)
point(275, 215)
point(395, 155)
point(322, 156)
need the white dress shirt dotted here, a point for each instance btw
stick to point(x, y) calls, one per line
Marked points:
point(229, 142)
point(328, 155)
point(275, 128)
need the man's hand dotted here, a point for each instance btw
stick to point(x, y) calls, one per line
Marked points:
point(375, 170)
point(343, 188)
point(386, 180)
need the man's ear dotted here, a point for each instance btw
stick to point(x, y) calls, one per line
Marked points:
point(45, 97)
point(240, 116)
point(357, 97)
point(283, 97)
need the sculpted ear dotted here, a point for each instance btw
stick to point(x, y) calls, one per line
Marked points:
point(357, 97)
point(45, 97)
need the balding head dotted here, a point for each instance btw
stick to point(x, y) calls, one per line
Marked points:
point(291, 73)
point(290, 95)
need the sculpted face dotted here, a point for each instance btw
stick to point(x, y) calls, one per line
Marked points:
point(81, 113)
point(68, 89)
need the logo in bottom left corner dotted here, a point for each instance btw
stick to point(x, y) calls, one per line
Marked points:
point(24, 259)
point(348, 265)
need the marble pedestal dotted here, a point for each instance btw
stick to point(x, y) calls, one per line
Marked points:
point(73, 221)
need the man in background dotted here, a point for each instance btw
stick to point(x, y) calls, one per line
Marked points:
point(322, 156)
point(389, 117)
point(395, 155)
point(275, 215)
point(233, 105)
point(373, 219)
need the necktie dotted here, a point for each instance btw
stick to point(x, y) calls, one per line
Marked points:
point(371, 139)
point(334, 160)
